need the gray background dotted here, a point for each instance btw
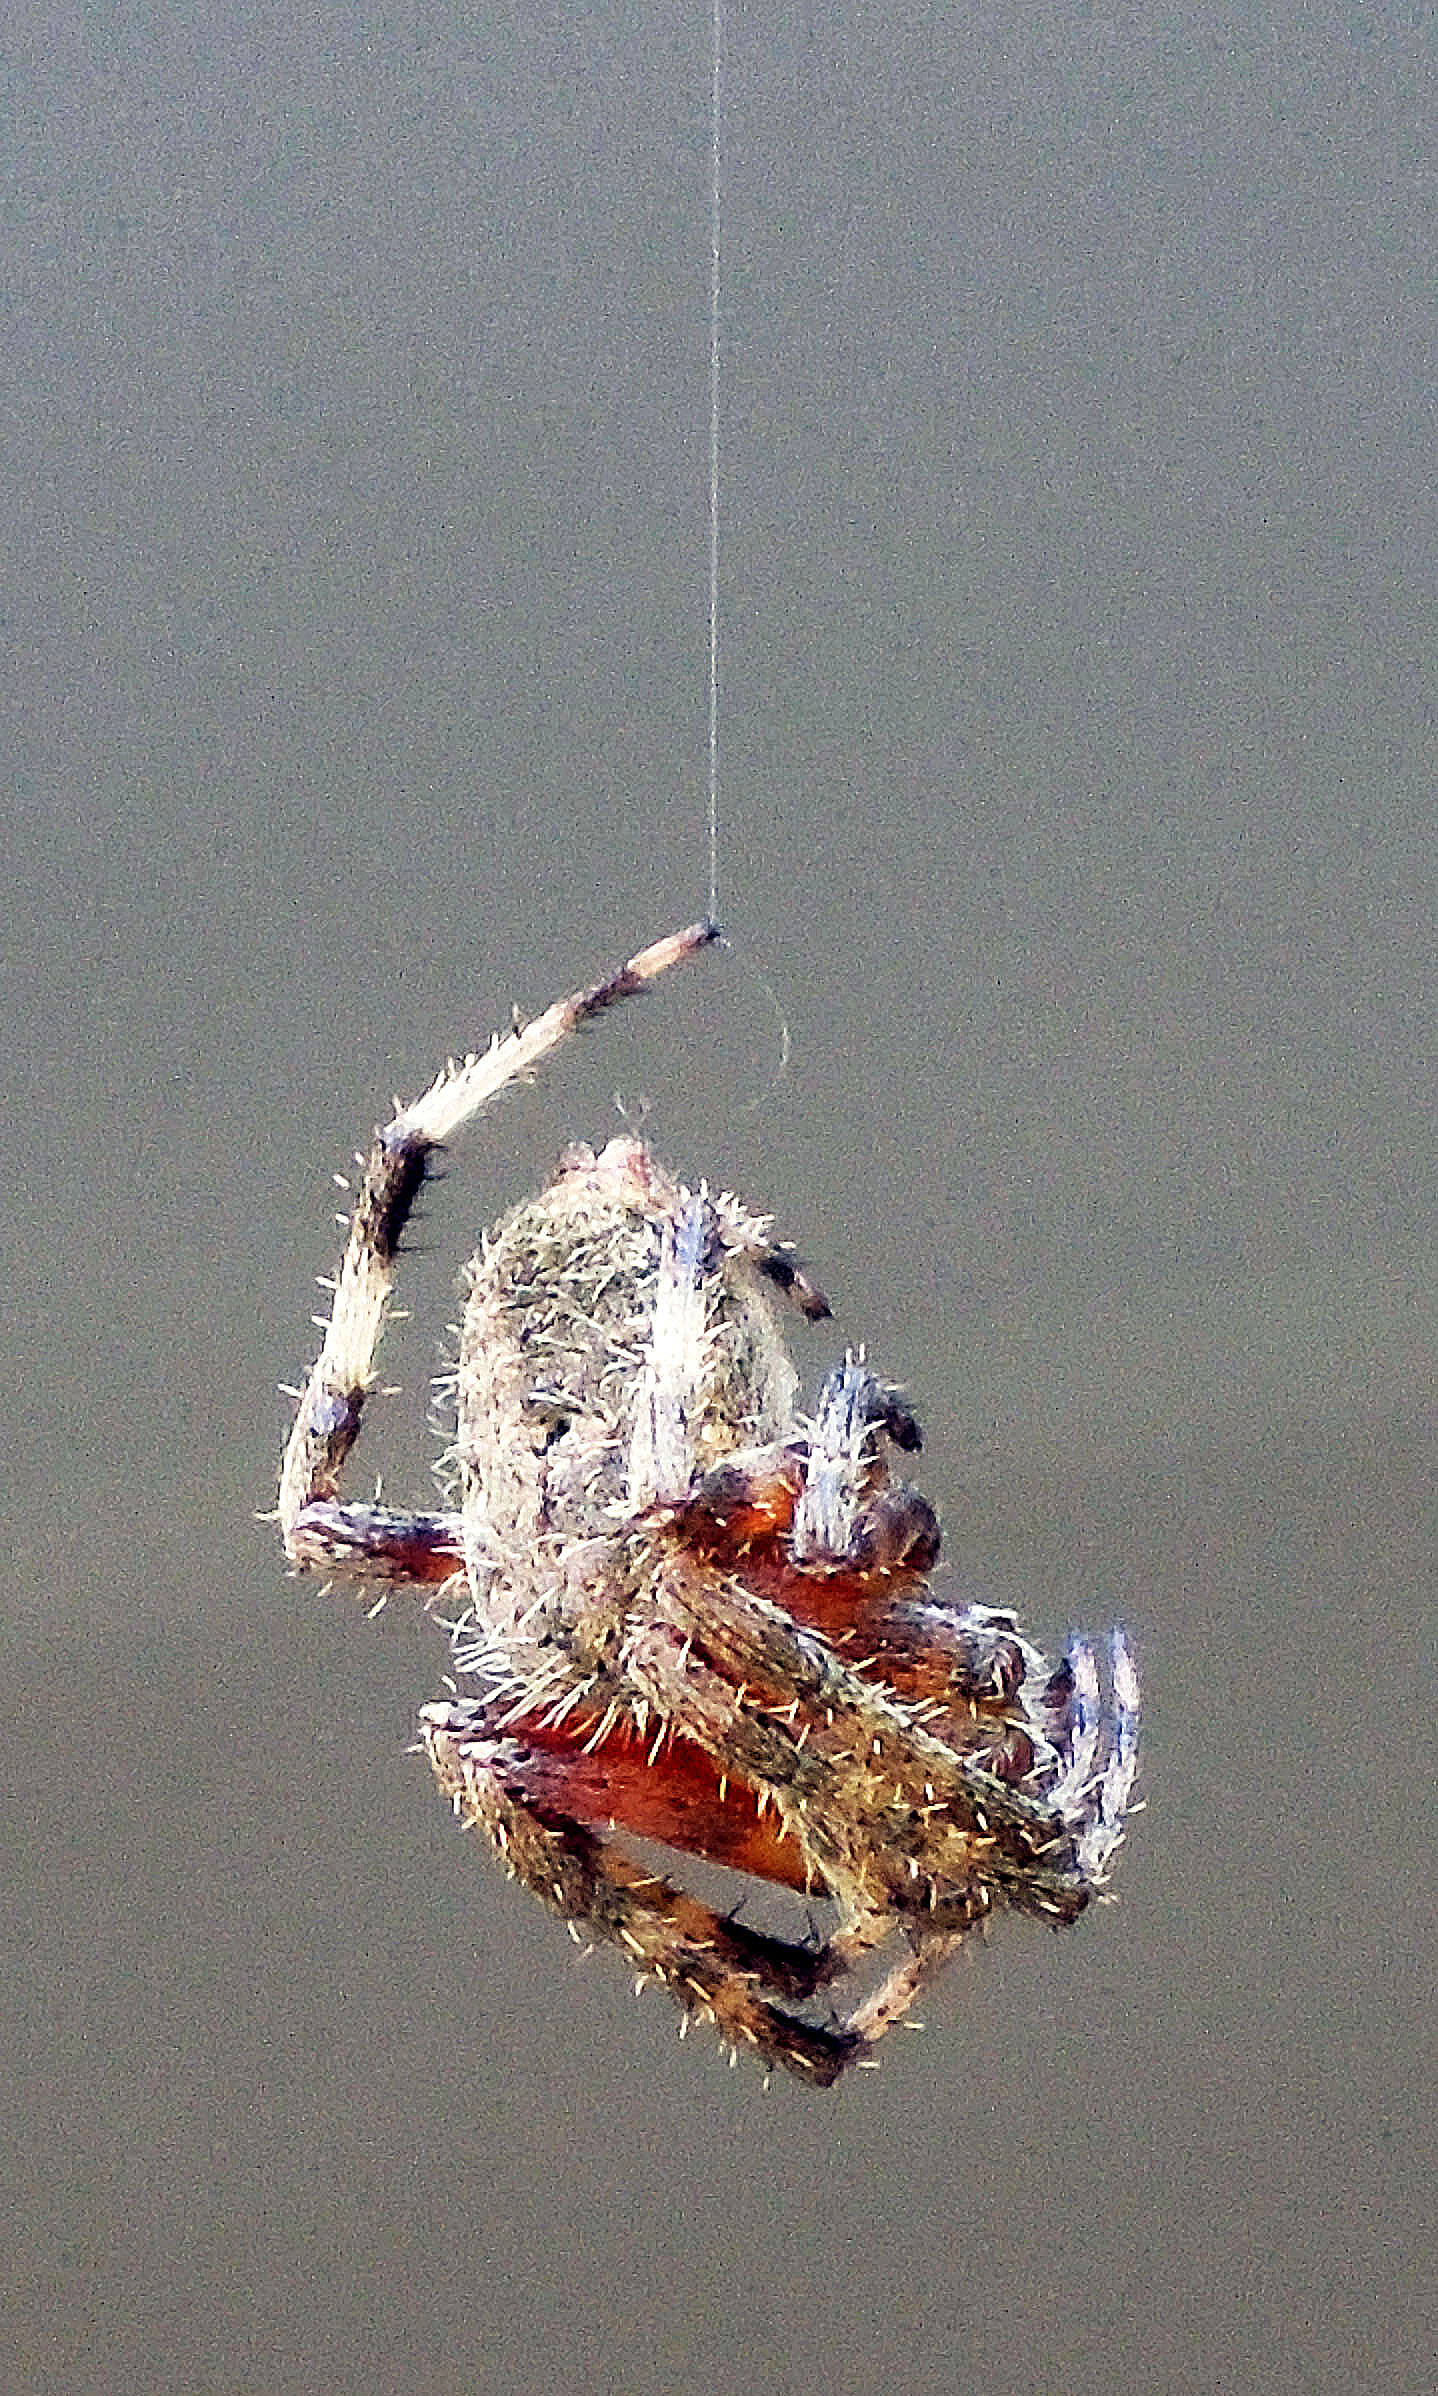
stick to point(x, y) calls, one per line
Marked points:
point(1078, 772)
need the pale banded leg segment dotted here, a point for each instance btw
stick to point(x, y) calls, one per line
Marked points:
point(331, 1405)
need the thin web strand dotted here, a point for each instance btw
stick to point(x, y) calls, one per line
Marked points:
point(716, 52)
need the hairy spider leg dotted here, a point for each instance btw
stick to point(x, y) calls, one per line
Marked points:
point(319, 1534)
point(545, 1782)
point(840, 1543)
point(933, 1838)
point(546, 1790)
point(829, 1539)
point(714, 1966)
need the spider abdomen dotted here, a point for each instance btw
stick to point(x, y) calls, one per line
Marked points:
point(563, 1348)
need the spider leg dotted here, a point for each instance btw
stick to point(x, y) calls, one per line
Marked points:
point(839, 1762)
point(674, 1793)
point(821, 1526)
point(890, 1817)
point(327, 1421)
point(896, 1995)
point(1115, 1789)
point(934, 1765)
point(677, 1366)
point(593, 1767)
point(968, 1669)
point(576, 1773)
point(596, 1762)
point(827, 1537)
point(1093, 1789)
point(740, 1512)
point(680, 1371)
point(715, 1968)
point(377, 1543)
point(850, 1514)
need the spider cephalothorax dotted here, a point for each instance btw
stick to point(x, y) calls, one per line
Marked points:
point(690, 1613)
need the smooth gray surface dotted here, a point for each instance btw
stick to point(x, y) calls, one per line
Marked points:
point(1078, 786)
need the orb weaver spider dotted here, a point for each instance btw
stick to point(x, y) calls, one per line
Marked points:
point(684, 1611)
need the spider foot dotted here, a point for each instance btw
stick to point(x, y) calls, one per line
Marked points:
point(1099, 1750)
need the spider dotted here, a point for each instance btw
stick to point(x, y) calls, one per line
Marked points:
point(689, 1613)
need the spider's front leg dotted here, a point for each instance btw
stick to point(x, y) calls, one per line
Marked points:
point(369, 1542)
point(524, 1797)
